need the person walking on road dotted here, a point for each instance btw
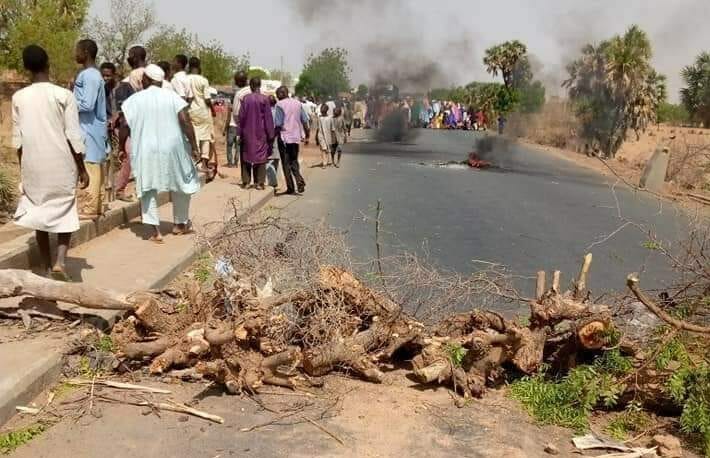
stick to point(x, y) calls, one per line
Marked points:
point(129, 86)
point(291, 121)
point(326, 135)
point(231, 128)
point(91, 102)
point(201, 113)
point(50, 148)
point(340, 132)
point(256, 127)
point(159, 122)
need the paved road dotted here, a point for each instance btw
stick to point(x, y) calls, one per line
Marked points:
point(535, 211)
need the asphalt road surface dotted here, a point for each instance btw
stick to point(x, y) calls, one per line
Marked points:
point(533, 211)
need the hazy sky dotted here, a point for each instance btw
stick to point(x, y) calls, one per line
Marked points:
point(445, 37)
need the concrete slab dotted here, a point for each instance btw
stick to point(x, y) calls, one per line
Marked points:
point(125, 261)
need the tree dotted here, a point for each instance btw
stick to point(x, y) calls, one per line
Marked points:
point(284, 76)
point(129, 22)
point(504, 58)
point(53, 24)
point(218, 66)
point(531, 97)
point(326, 74)
point(696, 95)
point(362, 91)
point(258, 72)
point(168, 42)
point(674, 114)
point(614, 88)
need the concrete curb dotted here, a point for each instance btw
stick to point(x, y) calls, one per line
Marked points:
point(48, 370)
point(24, 387)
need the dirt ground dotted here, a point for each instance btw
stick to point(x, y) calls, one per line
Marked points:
point(552, 130)
point(345, 418)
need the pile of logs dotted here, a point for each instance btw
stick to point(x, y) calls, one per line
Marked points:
point(262, 340)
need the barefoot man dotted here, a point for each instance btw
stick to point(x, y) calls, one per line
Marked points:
point(158, 123)
point(50, 149)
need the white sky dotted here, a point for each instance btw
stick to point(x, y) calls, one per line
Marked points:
point(453, 33)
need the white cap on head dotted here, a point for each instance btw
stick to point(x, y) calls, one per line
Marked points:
point(155, 73)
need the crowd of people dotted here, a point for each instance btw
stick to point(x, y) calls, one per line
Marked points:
point(423, 113)
point(158, 123)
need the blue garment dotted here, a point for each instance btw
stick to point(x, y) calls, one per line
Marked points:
point(91, 100)
point(160, 156)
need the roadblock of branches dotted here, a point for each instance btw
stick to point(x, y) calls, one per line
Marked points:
point(284, 305)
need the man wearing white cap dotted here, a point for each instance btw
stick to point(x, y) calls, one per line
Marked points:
point(158, 123)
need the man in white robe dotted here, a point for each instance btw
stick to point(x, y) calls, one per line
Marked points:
point(50, 148)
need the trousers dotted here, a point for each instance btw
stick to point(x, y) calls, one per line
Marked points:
point(291, 168)
point(149, 207)
point(95, 193)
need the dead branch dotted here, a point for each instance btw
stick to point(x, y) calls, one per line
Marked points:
point(632, 281)
point(14, 283)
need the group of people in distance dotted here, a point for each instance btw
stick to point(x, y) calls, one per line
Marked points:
point(158, 121)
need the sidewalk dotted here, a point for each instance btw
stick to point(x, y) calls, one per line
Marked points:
point(121, 260)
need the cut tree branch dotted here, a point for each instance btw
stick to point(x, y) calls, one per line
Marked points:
point(632, 281)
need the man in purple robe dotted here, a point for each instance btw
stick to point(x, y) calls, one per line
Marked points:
point(256, 124)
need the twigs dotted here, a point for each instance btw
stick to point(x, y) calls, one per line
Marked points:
point(117, 385)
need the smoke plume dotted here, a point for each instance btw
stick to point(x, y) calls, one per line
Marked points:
point(390, 45)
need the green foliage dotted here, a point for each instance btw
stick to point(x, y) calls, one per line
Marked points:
point(632, 420)
point(673, 351)
point(326, 74)
point(504, 58)
point(203, 269)
point(651, 245)
point(362, 91)
point(105, 344)
point(674, 114)
point(456, 354)
point(569, 401)
point(168, 41)
point(53, 24)
point(696, 95)
point(10, 441)
point(218, 66)
point(257, 72)
point(129, 21)
point(614, 88)
point(690, 388)
point(532, 97)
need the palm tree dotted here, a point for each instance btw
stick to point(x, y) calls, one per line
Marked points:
point(615, 88)
point(503, 58)
point(696, 95)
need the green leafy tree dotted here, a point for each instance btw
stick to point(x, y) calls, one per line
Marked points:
point(168, 42)
point(674, 114)
point(696, 95)
point(53, 24)
point(325, 74)
point(258, 72)
point(128, 23)
point(284, 76)
point(362, 91)
point(218, 66)
point(531, 97)
point(504, 59)
point(614, 88)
